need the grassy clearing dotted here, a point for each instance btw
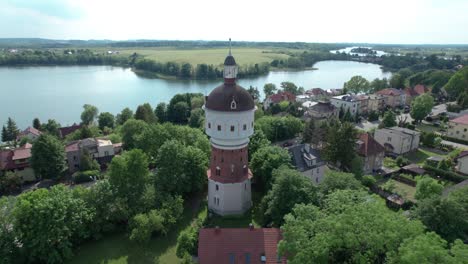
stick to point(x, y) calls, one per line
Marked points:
point(427, 128)
point(215, 56)
point(421, 155)
point(406, 191)
point(117, 248)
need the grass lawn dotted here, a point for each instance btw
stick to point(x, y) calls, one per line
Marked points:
point(215, 56)
point(117, 248)
point(405, 190)
point(421, 155)
point(427, 128)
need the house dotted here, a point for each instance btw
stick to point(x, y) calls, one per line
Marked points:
point(411, 93)
point(307, 160)
point(322, 110)
point(278, 98)
point(335, 92)
point(31, 133)
point(462, 162)
point(303, 98)
point(18, 161)
point(458, 127)
point(239, 245)
point(317, 93)
point(363, 103)
point(350, 102)
point(398, 140)
point(65, 131)
point(371, 152)
point(101, 150)
point(393, 97)
point(375, 103)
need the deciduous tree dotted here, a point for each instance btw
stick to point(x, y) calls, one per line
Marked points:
point(48, 157)
point(265, 160)
point(421, 106)
point(357, 84)
point(125, 115)
point(106, 119)
point(88, 115)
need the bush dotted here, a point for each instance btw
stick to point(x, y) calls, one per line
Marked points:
point(368, 180)
point(456, 140)
point(85, 176)
point(402, 161)
point(448, 175)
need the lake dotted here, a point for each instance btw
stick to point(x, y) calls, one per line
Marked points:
point(60, 92)
point(348, 51)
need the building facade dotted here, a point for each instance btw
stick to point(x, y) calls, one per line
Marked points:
point(393, 97)
point(398, 140)
point(229, 122)
point(307, 160)
point(355, 104)
point(371, 152)
point(458, 127)
point(101, 150)
point(322, 111)
point(18, 161)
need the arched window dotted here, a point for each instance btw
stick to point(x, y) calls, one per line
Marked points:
point(218, 171)
point(233, 104)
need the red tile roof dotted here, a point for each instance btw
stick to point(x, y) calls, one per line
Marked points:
point(390, 91)
point(64, 131)
point(235, 245)
point(461, 120)
point(410, 92)
point(8, 157)
point(72, 147)
point(23, 152)
point(420, 89)
point(369, 146)
point(282, 96)
point(30, 130)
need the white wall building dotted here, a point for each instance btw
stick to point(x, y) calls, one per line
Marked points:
point(398, 140)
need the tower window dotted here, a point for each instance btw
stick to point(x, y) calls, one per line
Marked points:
point(232, 128)
point(219, 128)
point(218, 171)
point(222, 159)
point(244, 127)
point(217, 187)
point(209, 125)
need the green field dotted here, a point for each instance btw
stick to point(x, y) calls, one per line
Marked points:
point(215, 56)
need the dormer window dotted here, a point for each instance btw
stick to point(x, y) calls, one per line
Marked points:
point(233, 104)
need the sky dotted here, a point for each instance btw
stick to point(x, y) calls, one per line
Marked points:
point(359, 21)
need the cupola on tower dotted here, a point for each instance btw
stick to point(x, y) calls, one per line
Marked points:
point(229, 121)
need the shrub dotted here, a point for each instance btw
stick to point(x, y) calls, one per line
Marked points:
point(368, 180)
point(402, 161)
point(448, 175)
point(85, 176)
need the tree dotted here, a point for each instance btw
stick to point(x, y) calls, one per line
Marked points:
point(197, 118)
point(279, 128)
point(269, 89)
point(290, 87)
point(257, 141)
point(265, 160)
point(48, 157)
point(130, 132)
point(106, 119)
point(421, 106)
point(289, 188)
point(397, 81)
point(357, 84)
point(125, 115)
point(87, 162)
point(253, 91)
point(309, 130)
point(429, 248)
point(143, 225)
point(197, 102)
point(339, 135)
point(427, 187)
point(8, 248)
point(458, 83)
point(37, 123)
point(377, 84)
point(10, 182)
point(181, 112)
point(145, 113)
point(51, 127)
point(128, 175)
point(10, 132)
point(181, 169)
point(389, 119)
point(88, 115)
point(335, 180)
point(5, 135)
point(428, 139)
point(161, 112)
point(43, 218)
point(352, 227)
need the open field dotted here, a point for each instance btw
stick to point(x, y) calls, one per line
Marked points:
point(215, 56)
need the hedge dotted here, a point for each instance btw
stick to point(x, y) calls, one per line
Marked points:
point(448, 175)
point(85, 176)
point(456, 140)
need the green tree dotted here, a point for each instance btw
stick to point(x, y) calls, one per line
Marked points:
point(128, 175)
point(145, 113)
point(49, 223)
point(143, 225)
point(335, 180)
point(197, 118)
point(181, 169)
point(269, 89)
point(106, 119)
point(421, 106)
point(397, 81)
point(130, 132)
point(290, 87)
point(265, 160)
point(11, 131)
point(5, 135)
point(88, 115)
point(8, 248)
point(427, 187)
point(87, 162)
point(389, 119)
point(289, 188)
point(51, 127)
point(125, 115)
point(339, 135)
point(379, 84)
point(353, 227)
point(357, 84)
point(48, 157)
point(458, 83)
point(37, 123)
point(161, 112)
point(253, 91)
point(279, 128)
point(181, 112)
point(257, 141)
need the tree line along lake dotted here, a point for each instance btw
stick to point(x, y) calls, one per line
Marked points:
point(60, 92)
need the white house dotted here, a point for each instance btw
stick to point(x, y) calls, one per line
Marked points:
point(462, 162)
point(398, 140)
point(355, 104)
point(458, 127)
point(307, 160)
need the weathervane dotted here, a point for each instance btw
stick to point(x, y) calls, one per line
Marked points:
point(230, 47)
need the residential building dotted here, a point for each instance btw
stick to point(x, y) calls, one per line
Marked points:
point(412, 93)
point(375, 102)
point(303, 98)
point(101, 150)
point(278, 98)
point(350, 102)
point(363, 103)
point(398, 140)
point(307, 160)
point(321, 111)
point(30, 133)
point(229, 122)
point(239, 245)
point(462, 162)
point(65, 131)
point(458, 127)
point(335, 92)
point(371, 152)
point(393, 97)
point(317, 93)
point(18, 161)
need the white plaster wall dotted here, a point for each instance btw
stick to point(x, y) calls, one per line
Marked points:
point(234, 198)
point(352, 106)
point(316, 175)
point(462, 164)
point(103, 149)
